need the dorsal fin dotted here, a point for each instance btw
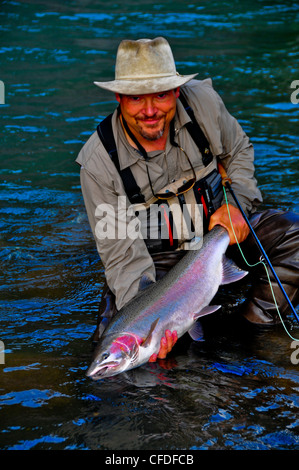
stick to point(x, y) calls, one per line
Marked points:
point(145, 281)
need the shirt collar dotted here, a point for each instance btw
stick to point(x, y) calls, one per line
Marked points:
point(181, 117)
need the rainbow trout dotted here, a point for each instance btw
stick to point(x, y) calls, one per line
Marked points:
point(175, 302)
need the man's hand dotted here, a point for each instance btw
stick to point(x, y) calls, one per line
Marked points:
point(221, 217)
point(166, 345)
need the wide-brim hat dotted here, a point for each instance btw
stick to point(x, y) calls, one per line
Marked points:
point(145, 66)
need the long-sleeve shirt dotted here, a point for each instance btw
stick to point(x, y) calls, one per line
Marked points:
point(126, 258)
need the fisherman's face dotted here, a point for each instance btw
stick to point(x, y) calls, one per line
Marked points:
point(149, 116)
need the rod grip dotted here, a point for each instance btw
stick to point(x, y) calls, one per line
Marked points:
point(223, 174)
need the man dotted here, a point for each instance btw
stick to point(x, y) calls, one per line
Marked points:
point(161, 150)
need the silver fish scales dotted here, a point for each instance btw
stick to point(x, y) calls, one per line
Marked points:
point(175, 302)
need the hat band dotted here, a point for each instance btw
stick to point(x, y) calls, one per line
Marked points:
point(146, 77)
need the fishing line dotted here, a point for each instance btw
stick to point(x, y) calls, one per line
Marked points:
point(256, 264)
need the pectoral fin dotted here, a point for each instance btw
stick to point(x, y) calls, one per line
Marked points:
point(148, 339)
point(231, 272)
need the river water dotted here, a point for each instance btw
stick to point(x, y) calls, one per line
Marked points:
point(239, 389)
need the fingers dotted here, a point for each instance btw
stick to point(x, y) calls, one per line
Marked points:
point(153, 358)
point(166, 345)
point(221, 217)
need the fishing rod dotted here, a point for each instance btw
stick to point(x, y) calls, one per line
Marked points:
point(227, 184)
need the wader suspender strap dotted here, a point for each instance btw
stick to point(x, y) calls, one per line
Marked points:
point(132, 189)
point(197, 134)
point(105, 133)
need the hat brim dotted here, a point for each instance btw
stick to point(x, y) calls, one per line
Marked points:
point(145, 86)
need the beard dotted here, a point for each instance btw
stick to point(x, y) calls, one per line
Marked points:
point(150, 132)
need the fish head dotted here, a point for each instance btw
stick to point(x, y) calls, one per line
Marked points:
point(114, 356)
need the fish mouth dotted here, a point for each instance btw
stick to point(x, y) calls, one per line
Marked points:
point(97, 371)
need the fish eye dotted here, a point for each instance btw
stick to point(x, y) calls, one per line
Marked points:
point(105, 356)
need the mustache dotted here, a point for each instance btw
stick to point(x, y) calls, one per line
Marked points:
point(149, 118)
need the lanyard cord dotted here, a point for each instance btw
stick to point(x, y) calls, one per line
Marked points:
point(140, 148)
point(143, 151)
point(136, 142)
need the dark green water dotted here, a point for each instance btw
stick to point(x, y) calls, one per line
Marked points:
point(237, 390)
